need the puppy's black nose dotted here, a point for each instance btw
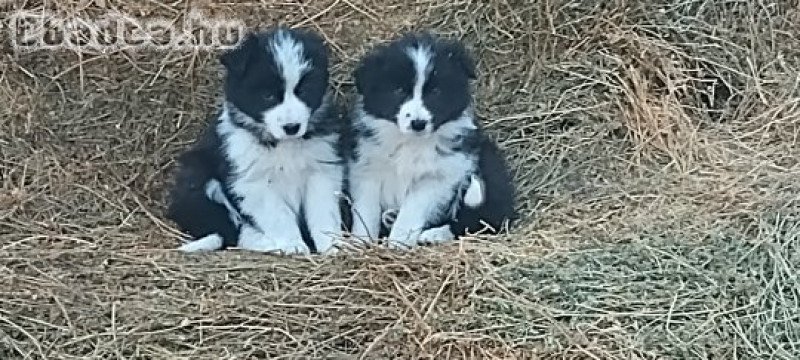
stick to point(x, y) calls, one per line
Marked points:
point(291, 129)
point(418, 125)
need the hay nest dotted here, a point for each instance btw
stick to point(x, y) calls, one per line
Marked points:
point(655, 145)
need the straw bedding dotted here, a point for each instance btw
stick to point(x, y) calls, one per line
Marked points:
point(655, 147)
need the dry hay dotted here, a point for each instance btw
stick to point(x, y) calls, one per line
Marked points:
point(655, 146)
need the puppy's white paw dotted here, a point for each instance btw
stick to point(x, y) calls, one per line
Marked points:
point(436, 235)
point(326, 243)
point(252, 240)
point(402, 239)
point(293, 247)
point(333, 250)
point(208, 243)
point(400, 244)
point(286, 247)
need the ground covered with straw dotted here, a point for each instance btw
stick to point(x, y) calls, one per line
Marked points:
point(655, 146)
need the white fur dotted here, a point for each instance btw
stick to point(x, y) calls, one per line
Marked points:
point(214, 193)
point(474, 196)
point(275, 182)
point(414, 108)
point(322, 211)
point(208, 243)
point(437, 235)
point(288, 54)
point(406, 172)
point(213, 190)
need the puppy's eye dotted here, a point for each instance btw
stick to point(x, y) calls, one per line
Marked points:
point(436, 91)
point(270, 98)
point(399, 91)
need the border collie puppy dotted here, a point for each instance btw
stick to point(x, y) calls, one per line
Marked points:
point(268, 173)
point(419, 154)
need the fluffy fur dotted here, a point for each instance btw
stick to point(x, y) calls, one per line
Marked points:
point(268, 173)
point(419, 154)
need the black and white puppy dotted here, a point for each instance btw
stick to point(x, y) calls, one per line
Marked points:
point(418, 148)
point(269, 170)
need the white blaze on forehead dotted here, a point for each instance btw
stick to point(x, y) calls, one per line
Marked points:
point(288, 55)
point(421, 58)
point(414, 108)
point(292, 64)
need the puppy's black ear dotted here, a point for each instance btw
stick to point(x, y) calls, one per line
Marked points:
point(367, 71)
point(236, 60)
point(459, 53)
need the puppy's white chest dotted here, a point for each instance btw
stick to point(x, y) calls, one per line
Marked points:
point(399, 167)
point(283, 168)
point(412, 161)
point(285, 163)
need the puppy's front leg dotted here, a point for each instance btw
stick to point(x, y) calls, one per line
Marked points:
point(428, 202)
point(366, 194)
point(321, 206)
point(274, 224)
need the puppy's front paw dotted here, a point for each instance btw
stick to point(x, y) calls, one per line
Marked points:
point(208, 243)
point(283, 246)
point(399, 245)
point(293, 247)
point(288, 245)
point(401, 239)
point(436, 235)
point(326, 243)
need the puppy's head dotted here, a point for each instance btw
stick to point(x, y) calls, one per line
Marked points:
point(278, 79)
point(419, 82)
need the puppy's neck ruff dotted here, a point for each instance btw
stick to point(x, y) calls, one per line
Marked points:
point(317, 123)
point(387, 132)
